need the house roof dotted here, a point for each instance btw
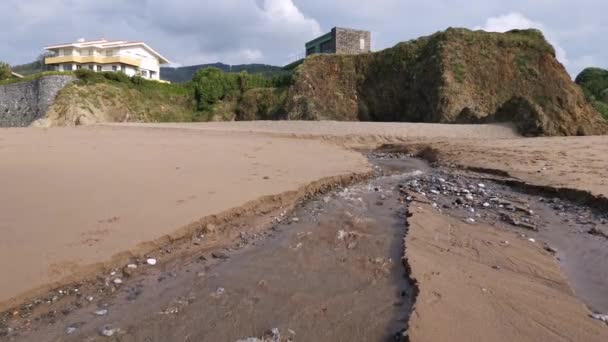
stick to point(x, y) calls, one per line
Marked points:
point(104, 44)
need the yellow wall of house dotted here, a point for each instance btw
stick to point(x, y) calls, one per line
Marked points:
point(92, 59)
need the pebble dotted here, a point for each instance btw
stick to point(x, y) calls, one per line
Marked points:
point(531, 240)
point(107, 331)
point(295, 219)
point(470, 220)
point(486, 205)
point(469, 197)
point(101, 312)
point(151, 261)
point(117, 281)
point(220, 255)
point(481, 185)
point(70, 330)
point(132, 266)
point(600, 317)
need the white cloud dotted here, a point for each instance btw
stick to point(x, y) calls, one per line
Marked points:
point(285, 12)
point(514, 21)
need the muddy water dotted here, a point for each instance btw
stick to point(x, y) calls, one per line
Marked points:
point(331, 271)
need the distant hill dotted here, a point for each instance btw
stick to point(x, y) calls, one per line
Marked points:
point(175, 75)
point(29, 68)
point(184, 74)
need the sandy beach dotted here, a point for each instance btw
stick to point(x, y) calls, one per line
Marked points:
point(76, 197)
point(85, 199)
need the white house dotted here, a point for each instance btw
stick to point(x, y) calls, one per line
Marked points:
point(132, 58)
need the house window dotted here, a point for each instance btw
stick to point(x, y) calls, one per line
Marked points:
point(99, 68)
point(91, 67)
point(123, 68)
point(144, 73)
point(78, 67)
point(67, 67)
point(114, 68)
point(362, 43)
point(110, 53)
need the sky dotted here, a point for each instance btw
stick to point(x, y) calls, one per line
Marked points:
point(274, 31)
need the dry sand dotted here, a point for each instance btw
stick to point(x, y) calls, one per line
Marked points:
point(371, 132)
point(72, 197)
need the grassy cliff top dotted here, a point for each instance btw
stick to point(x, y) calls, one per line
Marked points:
point(530, 38)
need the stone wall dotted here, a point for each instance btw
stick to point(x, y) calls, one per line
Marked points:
point(25, 102)
point(348, 41)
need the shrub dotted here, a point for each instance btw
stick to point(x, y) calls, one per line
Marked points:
point(594, 82)
point(5, 71)
point(213, 85)
point(601, 107)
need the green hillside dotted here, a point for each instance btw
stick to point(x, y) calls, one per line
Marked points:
point(185, 74)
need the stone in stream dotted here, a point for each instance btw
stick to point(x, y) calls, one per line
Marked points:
point(600, 317)
point(101, 312)
point(220, 255)
point(107, 331)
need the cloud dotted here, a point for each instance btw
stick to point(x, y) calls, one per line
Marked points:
point(271, 31)
point(186, 31)
point(514, 21)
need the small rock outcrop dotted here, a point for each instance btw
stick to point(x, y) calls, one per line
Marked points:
point(454, 76)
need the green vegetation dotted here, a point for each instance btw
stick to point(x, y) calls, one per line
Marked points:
point(459, 72)
point(213, 86)
point(33, 77)
point(5, 71)
point(594, 82)
point(262, 104)
point(185, 74)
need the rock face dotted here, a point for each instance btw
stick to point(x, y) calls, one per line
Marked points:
point(454, 76)
point(23, 103)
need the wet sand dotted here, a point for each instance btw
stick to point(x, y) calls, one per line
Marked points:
point(473, 287)
point(75, 197)
point(329, 271)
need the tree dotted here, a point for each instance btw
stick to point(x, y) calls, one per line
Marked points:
point(5, 71)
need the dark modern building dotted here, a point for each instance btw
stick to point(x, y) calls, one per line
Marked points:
point(341, 41)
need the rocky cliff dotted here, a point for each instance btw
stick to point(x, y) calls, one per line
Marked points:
point(454, 76)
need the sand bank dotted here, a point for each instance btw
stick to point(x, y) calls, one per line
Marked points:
point(73, 197)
